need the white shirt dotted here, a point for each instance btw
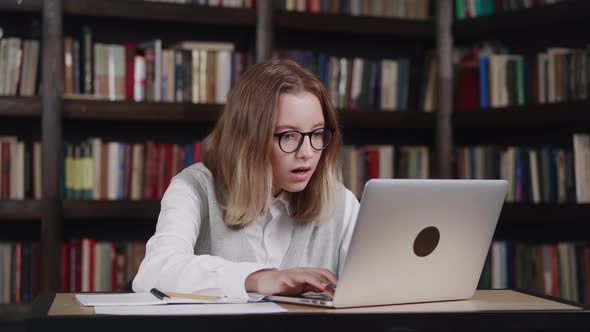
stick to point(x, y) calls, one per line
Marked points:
point(170, 262)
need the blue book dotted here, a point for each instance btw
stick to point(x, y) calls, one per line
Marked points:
point(484, 82)
point(478, 8)
point(188, 155)
point(323, 68)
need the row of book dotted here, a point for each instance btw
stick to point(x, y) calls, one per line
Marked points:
point(558, 269)
point(19, 66)
point(20, 271)
point(359, 164)
point(215, 3)
point(20, 169)
point(488, 79)
point(475, 8)
point(536, 175)
point(368, 84)
point(189, 71)
point(94, 169)
point(89, 265)
point(406, 9)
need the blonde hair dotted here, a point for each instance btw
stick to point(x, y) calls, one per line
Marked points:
point(237, 152)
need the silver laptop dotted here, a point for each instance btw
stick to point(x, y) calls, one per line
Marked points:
point(416, 241)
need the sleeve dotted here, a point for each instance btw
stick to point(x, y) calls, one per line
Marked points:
point(170, 262)
point(351, 209)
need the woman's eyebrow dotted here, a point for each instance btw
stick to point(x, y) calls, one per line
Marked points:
point(283, 127)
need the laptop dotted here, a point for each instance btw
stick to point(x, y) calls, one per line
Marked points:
point(416, 241)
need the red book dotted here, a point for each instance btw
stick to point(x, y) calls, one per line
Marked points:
point(64, 273)
point(130, 52)
point(17, 272)
point(372, 158)
point(467, 93)
point(314, 6)
point(92, 266)
point(196, 153)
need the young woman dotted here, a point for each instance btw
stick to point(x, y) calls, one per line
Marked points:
point(266, 211)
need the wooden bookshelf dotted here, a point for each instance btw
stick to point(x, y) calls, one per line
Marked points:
point(111, 210)
point(501, 24)
point(58, 114)
point(536, 115)
point(31, 6)
point(161, 11)
point(20, 107)
point(355, 24)
point(386, 119)
point(209, 113)
point(14, 210)
point(534, 215)
point(14, 312)
point(140, 111)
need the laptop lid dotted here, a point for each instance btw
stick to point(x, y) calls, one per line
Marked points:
point(419, 241)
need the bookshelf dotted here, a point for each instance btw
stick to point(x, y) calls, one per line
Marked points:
point(16, 210)
point(265, 29)
point(20, 107)
point(29, 6)
point(515, 24)
point(358, 25)
point(61, 118)
point(160, 11)
point(532, 126)
point(537, 116)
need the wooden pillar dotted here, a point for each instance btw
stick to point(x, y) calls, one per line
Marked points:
point(52, 78)
point(444, 50)
point(264, 28)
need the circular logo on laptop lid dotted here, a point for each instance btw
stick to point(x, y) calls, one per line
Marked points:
point(426, 241)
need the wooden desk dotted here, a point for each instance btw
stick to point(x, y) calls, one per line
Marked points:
point(487, 310)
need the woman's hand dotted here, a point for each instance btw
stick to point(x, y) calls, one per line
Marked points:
point(292, 281)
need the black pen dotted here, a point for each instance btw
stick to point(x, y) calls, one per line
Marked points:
point(159, 294)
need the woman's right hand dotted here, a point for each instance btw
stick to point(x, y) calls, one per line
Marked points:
point(293, 281)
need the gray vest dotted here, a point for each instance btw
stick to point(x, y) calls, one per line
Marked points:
point(312, 244)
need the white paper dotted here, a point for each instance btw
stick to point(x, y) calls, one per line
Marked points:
point(118, 299)
point(192, 309)
point(127, 299)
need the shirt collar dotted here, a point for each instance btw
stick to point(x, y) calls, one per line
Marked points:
point(282, 198)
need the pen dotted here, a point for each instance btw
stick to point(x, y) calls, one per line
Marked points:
point(157, 293)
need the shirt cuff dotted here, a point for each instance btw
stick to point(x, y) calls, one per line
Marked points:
point(232, 279)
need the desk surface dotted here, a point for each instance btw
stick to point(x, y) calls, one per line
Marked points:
point(495, 309)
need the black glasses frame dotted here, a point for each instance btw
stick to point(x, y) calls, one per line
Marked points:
point(309, 133)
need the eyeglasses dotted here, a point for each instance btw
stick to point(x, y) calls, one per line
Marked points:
point(291, 141)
